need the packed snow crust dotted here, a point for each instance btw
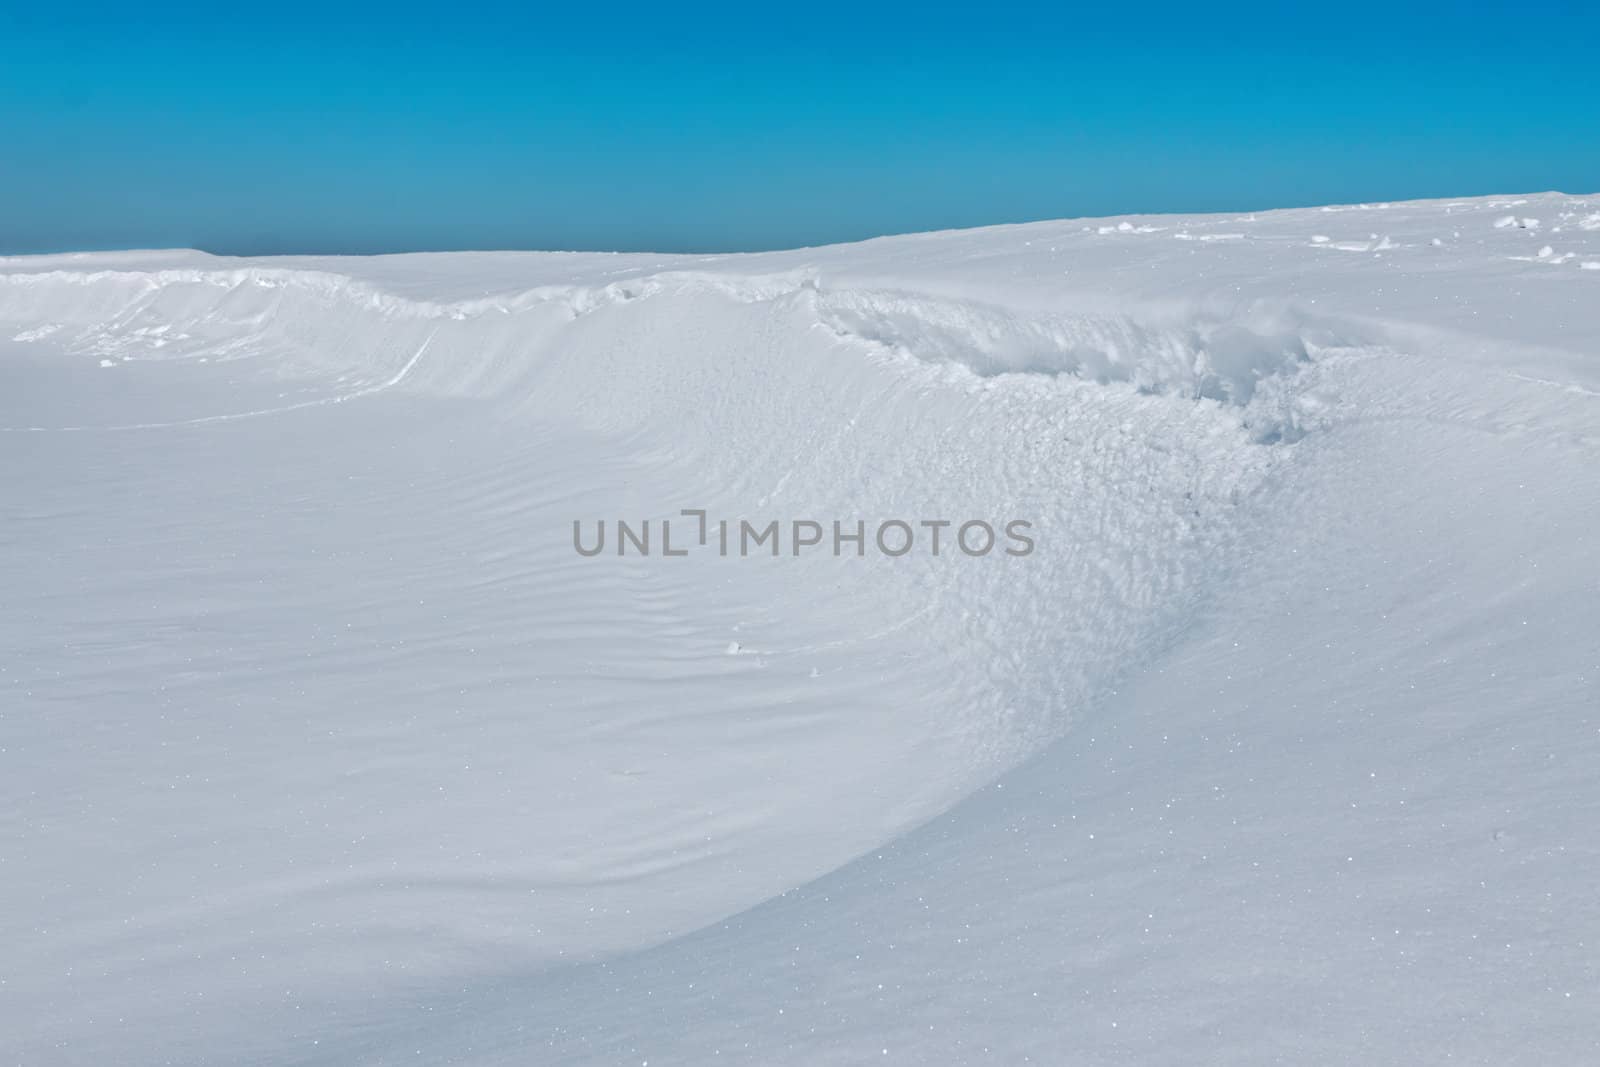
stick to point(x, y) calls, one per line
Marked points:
point(320, 743)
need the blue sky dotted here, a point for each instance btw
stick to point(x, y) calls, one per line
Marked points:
point(293, 127)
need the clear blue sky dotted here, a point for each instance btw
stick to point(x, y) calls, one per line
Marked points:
point(294, 127)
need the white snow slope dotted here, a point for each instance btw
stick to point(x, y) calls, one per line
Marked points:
point(320, 744)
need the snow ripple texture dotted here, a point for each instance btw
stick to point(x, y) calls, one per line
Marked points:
point(312, 711)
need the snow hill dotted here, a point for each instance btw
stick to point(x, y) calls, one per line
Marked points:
point(320, 743)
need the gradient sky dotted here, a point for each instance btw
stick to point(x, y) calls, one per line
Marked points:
point(293, 127)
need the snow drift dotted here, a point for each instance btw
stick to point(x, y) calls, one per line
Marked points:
point(323, 745)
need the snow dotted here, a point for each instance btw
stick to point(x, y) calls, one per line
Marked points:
point(319, 742)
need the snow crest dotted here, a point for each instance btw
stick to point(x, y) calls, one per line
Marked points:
point(294, 551)
point(443, 451)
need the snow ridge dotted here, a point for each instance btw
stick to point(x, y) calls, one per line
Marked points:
point(1288, 718)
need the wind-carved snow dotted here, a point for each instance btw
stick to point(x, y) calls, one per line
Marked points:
point(310, 692)
point(747, 397)
point(1222, 359)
